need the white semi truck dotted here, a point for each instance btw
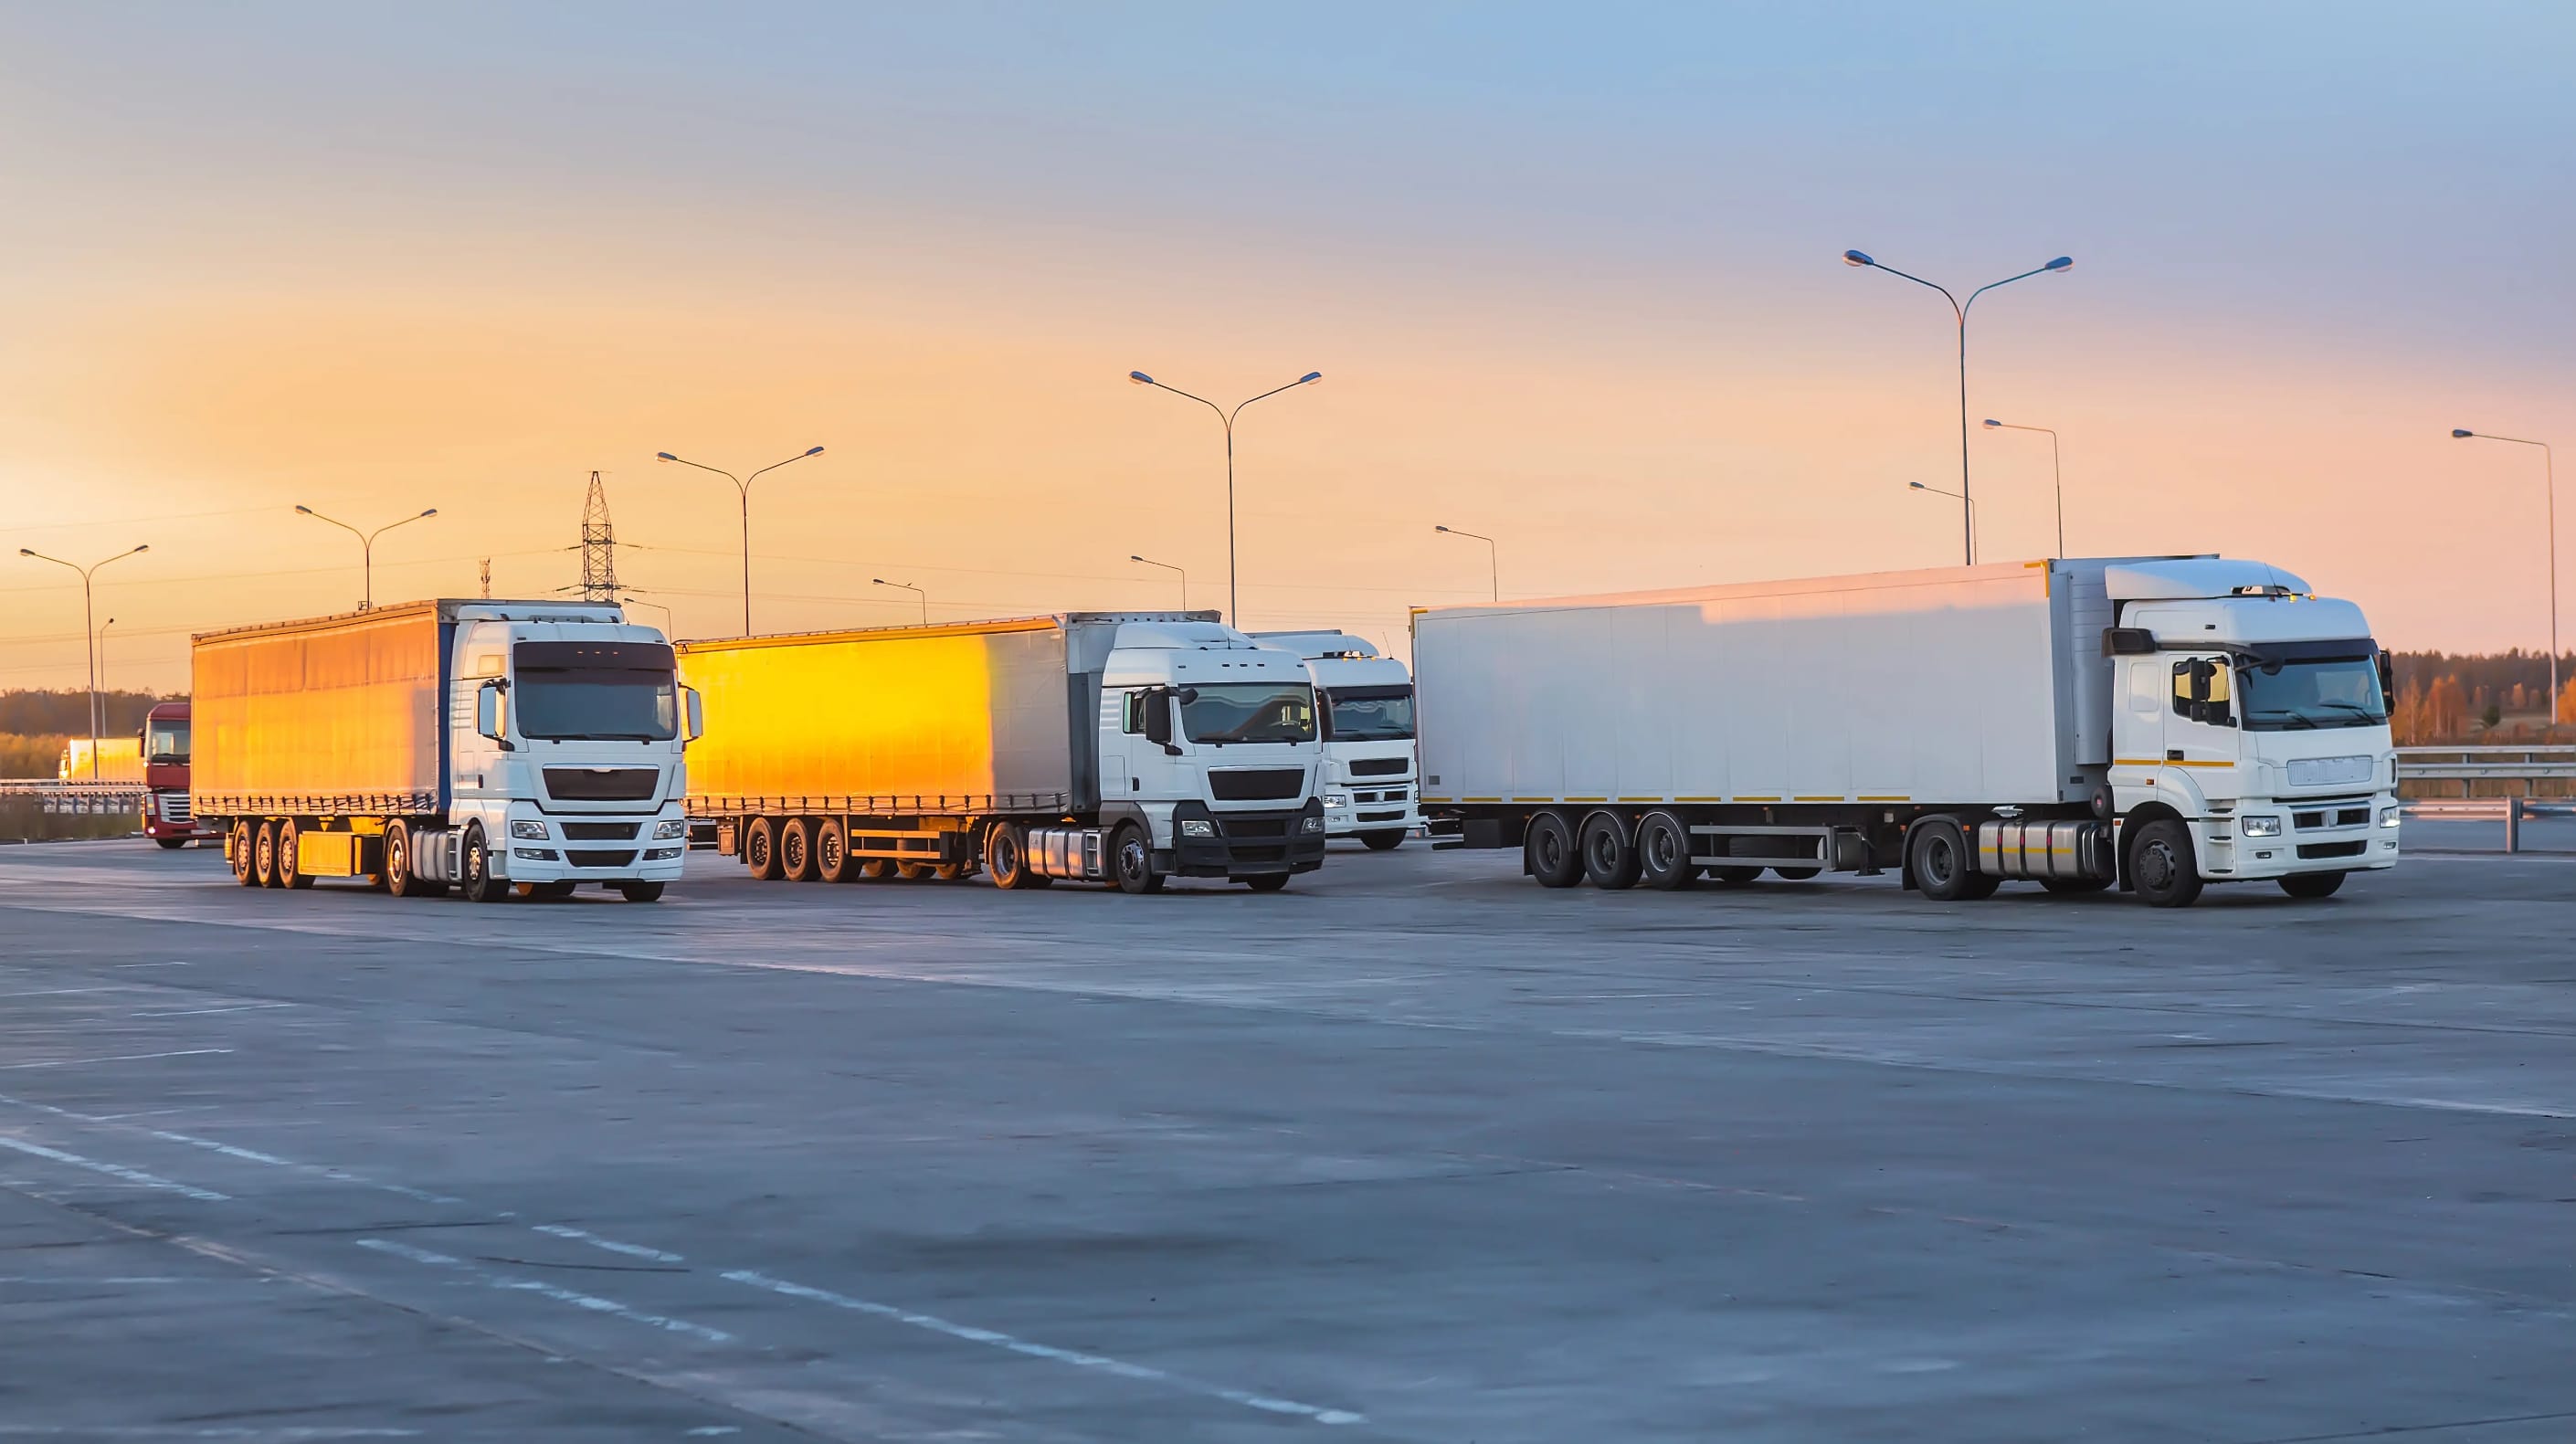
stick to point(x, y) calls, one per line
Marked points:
point(503, 748)
point(1109, 747)
point(1367, 705)
point(2151, 723)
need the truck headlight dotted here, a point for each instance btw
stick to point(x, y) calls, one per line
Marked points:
point(1337, 799)
point(2388, 816)
point(675, 827)
point(1197, 827)
point(527, 827)
point(1311, 823)
point(2259, 826)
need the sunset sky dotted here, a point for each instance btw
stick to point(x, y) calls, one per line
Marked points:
point(1571, 274)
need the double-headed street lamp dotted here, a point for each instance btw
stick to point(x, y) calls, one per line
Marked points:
point(742, 484)
point(1493, 556)
point(89, 634)
point(2054, 470)
point(2549, 478)
point(367, 546)
point(1176, 571)
point(1959, 497)
point(1233, 603)
point(908, 587)
point(1959, 309)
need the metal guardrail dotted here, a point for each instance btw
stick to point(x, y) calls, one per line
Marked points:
point(2469, 766)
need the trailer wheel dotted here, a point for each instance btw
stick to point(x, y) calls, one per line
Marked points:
point(796, 850)
point(1006, 858)
point(911, 871)
point(875, 869)
point(2312, 884)
point(1385, 840)
point(476, 865)
point(1663, 852)
point(1937, 851)
point(2161, 863)
point(290, 872)
point(243, 873)
point(640, 892)
point(1609, 853)
point(1548, 852)
point(1131, 860)
point(760, 849)
point(264, 854)
point(1795, 874)
point(832, 861)
point(948, 871)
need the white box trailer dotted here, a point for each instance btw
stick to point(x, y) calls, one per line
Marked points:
point(1966, 725)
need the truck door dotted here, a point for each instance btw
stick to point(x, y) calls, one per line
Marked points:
point(2201, 726)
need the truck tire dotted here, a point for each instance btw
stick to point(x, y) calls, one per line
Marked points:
point(1609, 852)
point(263, 861)
point(1735, 874)
point(475, 863)
point(1664, 853)
point(796, 850)
point(2312, 884)
point(555, 891)
point(1131, 860)
point(171, 844)
point(290, 870)
point(1936, 851)
point(1795, 874)
point(1006, 859)
point(640, 892)
point(1384, 840)
point(760, 849)
point(1548, 852)
point(1267, 882)
point(874, 869)
point(2161, 864)
point(241, 855)
point(911, 871)
point(832, 860)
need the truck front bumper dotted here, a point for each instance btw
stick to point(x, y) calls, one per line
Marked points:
point(640, 856)
point(2227, 851)
point(1388, 807)
point(1206, 843)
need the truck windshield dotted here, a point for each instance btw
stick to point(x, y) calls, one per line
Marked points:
point(165, 742)
point(1250, 712)
point(1368, 714)
point(595, 691)
point(2280, 696)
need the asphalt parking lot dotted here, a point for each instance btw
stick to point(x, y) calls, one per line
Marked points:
point(1415, 1151)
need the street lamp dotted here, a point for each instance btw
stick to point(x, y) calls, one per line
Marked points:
point(2054, 469)
point(1233, 604)
point(742, 484)
point(2549, 476)
point(102, 667)
point(1959, 308)
point(1493, 556)
point(1167, 566)
point(908, 587)
point(367, 546)
point(1955, 496)
point(89, 634)
point(669, 628)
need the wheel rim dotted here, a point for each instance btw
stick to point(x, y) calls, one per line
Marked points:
point(756, 850)
point(1662, 853)
point(1550, 851)
point(828, 850)
point(1006, 855)
point(1940, 861)
point(2156, 865)
point(1605, 853)
point(792, 849)
point(1131, 859)
point(474, 862)
point(397, 858)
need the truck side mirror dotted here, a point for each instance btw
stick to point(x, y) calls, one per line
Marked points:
point(491, 714)
point(1158, 719)
point(697, 713)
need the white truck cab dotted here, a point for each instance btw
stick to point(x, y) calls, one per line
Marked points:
point(2251, 722)
point(1366, 700)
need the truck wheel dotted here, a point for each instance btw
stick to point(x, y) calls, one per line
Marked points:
point(1663, 853)
point(1734, 874)
point(1609, 853)
point(760, 849)
point(243, 872)
point(555, 891)
point(264, 854)
point(912, 871)
point(949, 871)
point(171, 843)
point(2161, 864)
point(397, 874)
point(1385, 841)
point(796, 850)
point(1548, 852)
point(479, 883)
point(1795, 874)
point(832, 852)
point(640, 892)
point(290, 871)
point(1006, 858)
point(1267, 882)
point(2312, 884)
point(1131, 860)
point(875, 869)
point(1937, 851)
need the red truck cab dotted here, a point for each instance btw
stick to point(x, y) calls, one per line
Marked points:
point(166, 816)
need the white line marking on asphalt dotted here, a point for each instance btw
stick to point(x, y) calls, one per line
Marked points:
point(712, 1431)
point(1120, 1367)
point(58, 992)
point(198, 1012)
point(134, 1176)
point(631, 1250)
point(591, 1302)
point(152, 965)
point(120, 1058)
point(292, 1434)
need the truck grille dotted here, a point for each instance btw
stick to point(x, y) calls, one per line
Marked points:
point(598, 857)
point(600, 831)
point(603, 784)
point(1381, 766)
point(1257, 784)
point(174, 807)
point(2331, 817)
point(1255, 826)
point(2311, 851)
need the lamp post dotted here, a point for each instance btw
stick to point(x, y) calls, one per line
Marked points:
point(2549, 478)
point(742, 484)
point(1493, 556)
point(1233, 602)
point(1959, 308)
point(102, 669)
point(1167, 566)
point(2055, 471)
point(367, 546)
point(1959, 497)
point(908, 587)
point(668, 626)
point(89, 633)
